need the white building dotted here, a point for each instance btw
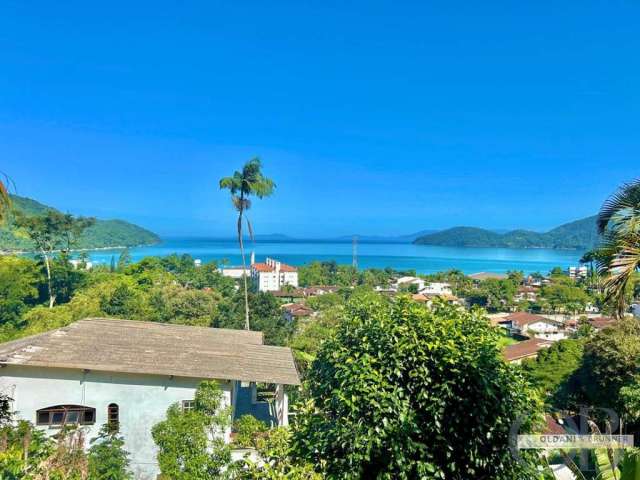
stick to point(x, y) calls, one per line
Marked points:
point(405, 282)
point(437, 288)
point(578, 272)
point(235, 272)
point(128, 373)
point(273, 275)
point(531, 325)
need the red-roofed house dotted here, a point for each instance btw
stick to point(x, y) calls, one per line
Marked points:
point(531, 325)
point(292, 311)
point(528, 349)
point(272, 275)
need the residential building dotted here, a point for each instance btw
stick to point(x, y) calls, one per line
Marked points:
point(437, 288)
point(273, 275)
point(235, 272)
point(600, 323)
point(293, 311)
point(429, 298)
point(578, 272)
point(526, 349)
point(531, 325)
point(405, 282)
point(84, 264)
point(127, 373)
point(526, 292)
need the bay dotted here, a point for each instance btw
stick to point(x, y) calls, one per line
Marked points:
point(400, 256)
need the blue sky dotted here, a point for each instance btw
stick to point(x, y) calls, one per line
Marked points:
point(372, 117)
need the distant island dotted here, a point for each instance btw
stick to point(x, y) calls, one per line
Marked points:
point(578, 235)
point(103, 234)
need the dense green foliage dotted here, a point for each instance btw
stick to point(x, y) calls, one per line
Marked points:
point(27, 453)
point(191, 445)
point(108, 459)
point(552, 369)
point(611, 362)
point(581, 234)
point(390, 396)
point(279, 461)
point(248, 430)
point(104, 233)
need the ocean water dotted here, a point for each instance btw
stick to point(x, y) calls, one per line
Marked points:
point(400, 256)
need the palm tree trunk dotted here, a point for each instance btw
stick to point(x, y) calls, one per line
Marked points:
point(52, 298)
point(244, 270)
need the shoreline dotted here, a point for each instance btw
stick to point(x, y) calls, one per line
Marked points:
point(93, 249)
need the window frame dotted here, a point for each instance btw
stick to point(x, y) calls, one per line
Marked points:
point(64, 410)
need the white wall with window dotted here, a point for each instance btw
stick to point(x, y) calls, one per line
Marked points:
point(131, 403)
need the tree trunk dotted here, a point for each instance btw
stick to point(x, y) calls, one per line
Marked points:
point(52, 298)
point(244, 271)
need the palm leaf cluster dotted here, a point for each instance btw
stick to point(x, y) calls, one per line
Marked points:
point(618, 256)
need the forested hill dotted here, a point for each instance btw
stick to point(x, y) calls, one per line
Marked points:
point(105, 233)
point(581, 234)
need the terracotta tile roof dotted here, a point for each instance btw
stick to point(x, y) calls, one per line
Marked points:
point(287, 268)
point(262, 267)
point(153, 348)
point(527, 348)
point(419, 297)
point(297, 293)
point(601, 322)
point(298, 310)
point(552, 427)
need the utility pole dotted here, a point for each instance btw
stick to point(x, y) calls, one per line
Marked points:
point(354, 254)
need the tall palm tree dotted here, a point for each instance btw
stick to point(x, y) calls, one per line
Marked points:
point(618, 256)
point(242, 185)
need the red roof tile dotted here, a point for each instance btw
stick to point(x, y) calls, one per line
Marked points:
point(527, 348)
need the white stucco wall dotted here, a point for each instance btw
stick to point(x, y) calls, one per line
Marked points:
point(142, 399)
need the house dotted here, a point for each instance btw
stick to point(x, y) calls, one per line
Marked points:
point(526, 293)
point(480, 276)
point(600, 323)
point(437, 288)
point(127, 373)
point(528, 324)
point(429, 298)
point(317, 290)
point(294, 311)
point(273, 275)
point(578, 272)
point(526, 349)
point(406, 282)
point(235, 272)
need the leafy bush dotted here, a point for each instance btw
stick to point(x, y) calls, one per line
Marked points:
point(247, 429)
point(405, 392)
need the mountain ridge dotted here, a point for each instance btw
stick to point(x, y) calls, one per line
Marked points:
point(109, 233)
point(577, 235)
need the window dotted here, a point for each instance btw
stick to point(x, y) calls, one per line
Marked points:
point(66, 414)
point(188, 405)
point(113, 417)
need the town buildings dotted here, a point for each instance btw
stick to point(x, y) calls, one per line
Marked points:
point(273, 275)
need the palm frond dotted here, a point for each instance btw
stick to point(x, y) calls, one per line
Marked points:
point(626, 198)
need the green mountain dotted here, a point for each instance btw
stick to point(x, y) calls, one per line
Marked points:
point(581, 234)
point(104, 233)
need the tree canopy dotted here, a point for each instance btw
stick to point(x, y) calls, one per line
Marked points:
point(390, 396)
